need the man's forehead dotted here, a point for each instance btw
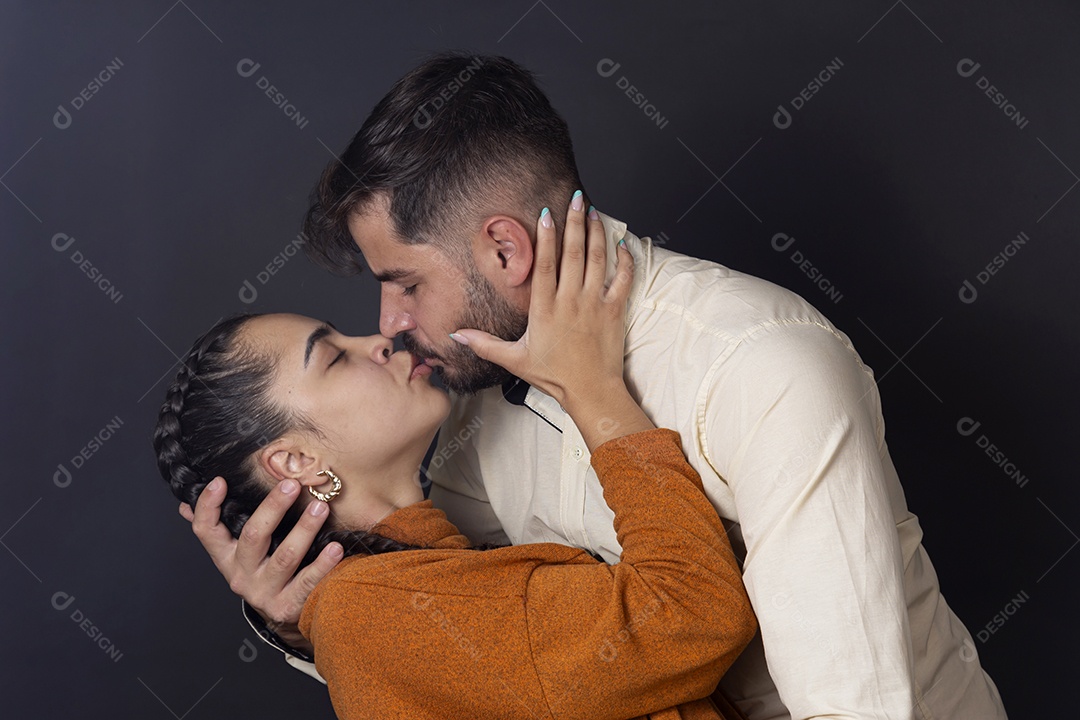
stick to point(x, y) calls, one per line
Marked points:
point(373, 235)
point(386, 255)
point(389, 259)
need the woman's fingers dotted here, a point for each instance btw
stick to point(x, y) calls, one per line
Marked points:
point(545, 265)
point(572, 267)
point(596, 263)
point(575, 330)
point(508, 354)
point(619, 291)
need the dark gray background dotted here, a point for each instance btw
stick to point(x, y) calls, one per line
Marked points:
point(179, 180)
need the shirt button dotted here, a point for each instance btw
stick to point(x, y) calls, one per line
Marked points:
point(577, 453)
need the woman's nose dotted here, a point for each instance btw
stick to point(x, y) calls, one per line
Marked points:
point(381, 348)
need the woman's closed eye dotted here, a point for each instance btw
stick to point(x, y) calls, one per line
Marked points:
point(408, 290)
point(337, 357)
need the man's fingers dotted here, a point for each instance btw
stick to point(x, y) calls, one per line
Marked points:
point(254, 540)
point(186, 512)
point(306, 580)
point(205, 522)
point(294, 547)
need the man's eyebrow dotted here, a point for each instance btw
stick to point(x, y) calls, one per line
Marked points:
point(318, 334)
point(392, 275)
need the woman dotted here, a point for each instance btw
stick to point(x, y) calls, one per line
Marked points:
point(416, 624)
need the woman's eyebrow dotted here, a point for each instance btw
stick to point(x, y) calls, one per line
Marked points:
point(318, 334)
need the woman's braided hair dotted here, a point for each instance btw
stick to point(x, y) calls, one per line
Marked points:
point(217, 414)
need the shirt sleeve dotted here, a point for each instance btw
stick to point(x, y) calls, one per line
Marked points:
point(658, 628)
point(295, 658)
point(792, 422)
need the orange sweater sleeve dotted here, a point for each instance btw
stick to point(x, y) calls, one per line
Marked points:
point(658, 628)
point(544, 630)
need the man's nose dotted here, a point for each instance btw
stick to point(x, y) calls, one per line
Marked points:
point(393, 319)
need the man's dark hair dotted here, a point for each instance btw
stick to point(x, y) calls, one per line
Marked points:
point(457, 139)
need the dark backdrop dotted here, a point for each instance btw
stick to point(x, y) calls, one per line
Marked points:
point(149, 182)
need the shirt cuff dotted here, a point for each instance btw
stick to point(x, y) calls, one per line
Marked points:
point(297, 658)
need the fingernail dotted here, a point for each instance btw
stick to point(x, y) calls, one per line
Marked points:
point(461, 338)
point(623, 242)
point(545, 218)
point(214, 485)
point(334, 551)
point(576, 202)
point(593, 215)
point(318, 509)
point(288, 486)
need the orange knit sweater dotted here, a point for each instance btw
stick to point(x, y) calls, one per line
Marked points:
point(542, 630)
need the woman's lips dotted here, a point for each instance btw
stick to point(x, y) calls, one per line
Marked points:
point(420, 367)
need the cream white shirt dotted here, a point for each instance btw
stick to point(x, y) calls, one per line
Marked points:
point(783, 421)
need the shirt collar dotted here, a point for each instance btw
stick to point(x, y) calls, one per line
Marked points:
point(514, 391)
point(422, 525)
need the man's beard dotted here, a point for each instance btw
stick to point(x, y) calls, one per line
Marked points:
point(465, 372)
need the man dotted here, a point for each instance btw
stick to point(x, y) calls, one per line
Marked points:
point(439, 192)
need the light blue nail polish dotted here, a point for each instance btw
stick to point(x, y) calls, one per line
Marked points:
point(543, 213)
point(576, 202)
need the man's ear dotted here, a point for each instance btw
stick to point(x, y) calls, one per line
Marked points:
point(287, 458)
point(503, 251)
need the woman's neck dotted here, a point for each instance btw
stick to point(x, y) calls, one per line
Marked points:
point(376, 492)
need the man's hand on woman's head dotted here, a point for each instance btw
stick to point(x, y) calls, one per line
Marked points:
point(266, 582)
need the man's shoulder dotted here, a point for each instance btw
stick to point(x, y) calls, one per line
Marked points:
point(717, 300)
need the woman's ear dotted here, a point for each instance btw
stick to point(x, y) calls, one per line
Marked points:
point(504, 251)
point(287, 458)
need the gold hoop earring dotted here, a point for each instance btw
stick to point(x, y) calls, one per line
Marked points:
point(334, 491)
